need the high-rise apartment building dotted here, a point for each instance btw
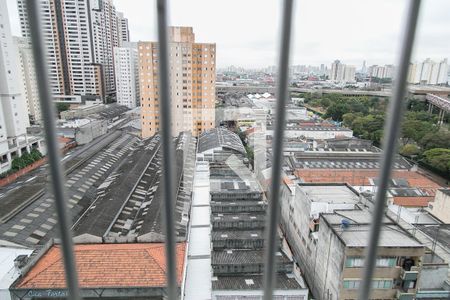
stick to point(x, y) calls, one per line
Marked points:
point(105, 35)
point(80, 37)
point(429, 72)
point(13, 109)
point(192, 83)
point(123, 31)
point(54, 42)
point(349, 74)
point(386, 71)
point(29, 80)
point(13, 117)
point(127, 74)
point(342, 73)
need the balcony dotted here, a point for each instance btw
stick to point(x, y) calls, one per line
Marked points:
point(410, 275)
point(401, 295)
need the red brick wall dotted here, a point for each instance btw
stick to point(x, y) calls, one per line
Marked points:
point(13, 177)
point(33, 166)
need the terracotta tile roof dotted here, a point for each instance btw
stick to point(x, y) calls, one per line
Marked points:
point(64, 140)
point(362, 177)
point(105, 265)
point(413, 201)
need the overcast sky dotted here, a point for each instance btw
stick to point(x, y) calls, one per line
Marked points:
point(246, 31)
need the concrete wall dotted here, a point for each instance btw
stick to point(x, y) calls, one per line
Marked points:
point(441, 206)
point(88, 132)
point(258, 294)
point(433, 276)
point(82, 112)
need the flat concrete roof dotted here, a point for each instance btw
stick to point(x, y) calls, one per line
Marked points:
point(353, 228)
point(330, 193)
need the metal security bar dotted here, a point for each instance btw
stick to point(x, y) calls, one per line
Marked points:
point(277, 159)
point(391, 130)
point(57, 175)
point(167, 147)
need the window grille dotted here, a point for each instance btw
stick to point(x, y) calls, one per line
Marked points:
point(57, 179)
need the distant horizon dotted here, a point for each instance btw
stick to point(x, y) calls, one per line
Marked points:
point(248, 38)
point(329, 64)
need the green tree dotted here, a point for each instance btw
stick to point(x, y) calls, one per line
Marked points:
point(415, 130)
point(17, 164)
point(348, 118)
point(437, 139)
point(438, 158)
point(27, 159)
point(410, 150)
point(60, 107)
point(416, 105)
point(336, 111)
point(36, 154)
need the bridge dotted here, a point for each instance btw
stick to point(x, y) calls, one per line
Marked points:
point(415, 90)
point(440, 102)
point(271, 89)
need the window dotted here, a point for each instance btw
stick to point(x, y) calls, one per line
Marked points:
point(352, 284)
point(358, 262)
point(382, 284)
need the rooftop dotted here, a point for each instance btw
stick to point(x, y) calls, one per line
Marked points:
point(355, 230)
point(441, 232)
point(299, 127)
point(104, 265)
point(254, 282)
point(413, 201)
point(330, 193)
point(243, 257)
point(445, 191)
point(237, 235)
point(335, 160)
point(220, 138)
point(367, 178)
point(28, 215)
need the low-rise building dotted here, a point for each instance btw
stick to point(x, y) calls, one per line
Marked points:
point(327, 227)
point(317, 132)
point(107, 271)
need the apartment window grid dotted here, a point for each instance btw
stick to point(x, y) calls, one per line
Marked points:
point(391, 134)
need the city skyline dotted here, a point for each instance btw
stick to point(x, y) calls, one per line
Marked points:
point(249, 38)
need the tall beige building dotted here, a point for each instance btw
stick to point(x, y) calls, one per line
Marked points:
point(192, 79)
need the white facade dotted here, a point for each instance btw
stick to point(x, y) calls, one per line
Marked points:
point(440, 207)
point(80, 37)
point(127, 75)
point(13, 110)
point(386, 71)
point(28, 76)
point(342, 73)
point(319, 133)
point(429, 72)
point(105, 37)
point(122, 27)
point(349, 74)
